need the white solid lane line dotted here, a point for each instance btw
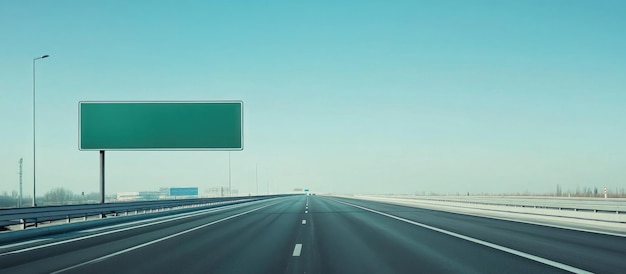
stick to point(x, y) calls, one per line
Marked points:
point(24, 243)
point(161, 239)
point(481, 242)
point(297, 249)
point(184, 215)
point(304, 222)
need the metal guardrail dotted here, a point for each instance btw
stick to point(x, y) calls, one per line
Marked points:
point(534, 206)
point(611, 213)
point(32, 216)
point(526, 204)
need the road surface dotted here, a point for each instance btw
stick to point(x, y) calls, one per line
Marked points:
point(319, 234)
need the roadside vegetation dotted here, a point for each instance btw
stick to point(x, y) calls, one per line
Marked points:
point(56, 196)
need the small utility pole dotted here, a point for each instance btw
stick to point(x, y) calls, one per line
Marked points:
point(257, 179)
point(19, 202)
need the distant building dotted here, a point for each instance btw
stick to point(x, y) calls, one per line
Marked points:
point(163, 193)
point(127, 196)
point(214, 192)
point(220, 192)
point(137, 196)
point(183, 192)
point(149, 195)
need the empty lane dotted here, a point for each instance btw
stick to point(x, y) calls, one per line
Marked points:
point(315, 234)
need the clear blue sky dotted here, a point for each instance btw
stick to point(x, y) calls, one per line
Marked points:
point(340, 96)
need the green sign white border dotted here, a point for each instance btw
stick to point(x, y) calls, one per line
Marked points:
point(161, 102)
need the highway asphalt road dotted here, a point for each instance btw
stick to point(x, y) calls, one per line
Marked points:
point(319, 234)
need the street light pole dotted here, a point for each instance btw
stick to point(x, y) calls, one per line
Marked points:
point(34, 150)
point(230, 190)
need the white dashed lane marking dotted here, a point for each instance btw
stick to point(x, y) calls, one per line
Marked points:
point(297, 249)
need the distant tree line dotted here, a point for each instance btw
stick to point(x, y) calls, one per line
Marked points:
point(63, 196)
point(560, 192)
point(591, 192)
point(11, 200)
point(56, 196)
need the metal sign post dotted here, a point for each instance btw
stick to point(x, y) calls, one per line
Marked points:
point(102, 176)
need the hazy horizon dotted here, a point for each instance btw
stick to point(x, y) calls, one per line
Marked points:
point(342, 97)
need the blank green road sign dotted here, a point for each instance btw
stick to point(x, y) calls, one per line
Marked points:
point(147, 125)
